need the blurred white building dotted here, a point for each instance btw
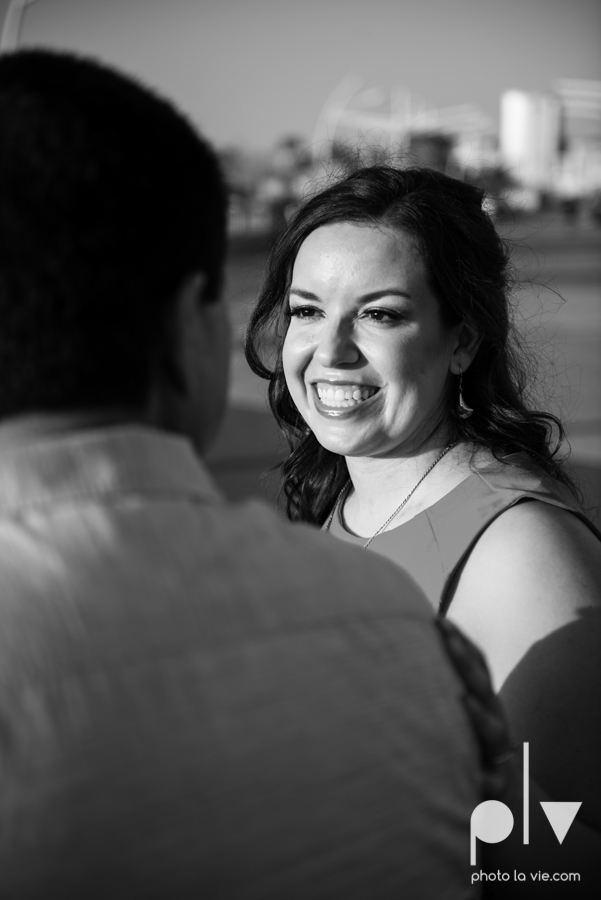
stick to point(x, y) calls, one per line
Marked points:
point(579, 169)
point(529, 141)
point(551, 142)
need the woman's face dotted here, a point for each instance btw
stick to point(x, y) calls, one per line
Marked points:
point(366, 356)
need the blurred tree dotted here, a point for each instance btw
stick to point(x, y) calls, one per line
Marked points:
point(496, 182)
point(430, 149)
point(290, 155)
point(240, 170)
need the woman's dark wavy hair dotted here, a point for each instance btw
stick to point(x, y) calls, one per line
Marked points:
point(468, 268)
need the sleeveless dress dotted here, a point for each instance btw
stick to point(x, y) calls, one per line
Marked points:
point(432, 546)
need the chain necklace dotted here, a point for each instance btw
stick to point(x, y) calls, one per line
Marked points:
point(346, 487)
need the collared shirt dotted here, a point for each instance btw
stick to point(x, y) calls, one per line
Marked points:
point(197, 699)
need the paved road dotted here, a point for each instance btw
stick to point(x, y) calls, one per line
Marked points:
point(558, 306)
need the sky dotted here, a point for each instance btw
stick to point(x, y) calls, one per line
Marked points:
point(249, 72)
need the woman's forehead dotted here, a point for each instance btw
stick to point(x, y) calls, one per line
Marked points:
point(348, 251)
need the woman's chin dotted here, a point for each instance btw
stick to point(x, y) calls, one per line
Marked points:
point(344, 441)
point(347, 437)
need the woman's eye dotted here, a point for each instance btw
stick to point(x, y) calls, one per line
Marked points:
point(303, 312)
point(381, 315)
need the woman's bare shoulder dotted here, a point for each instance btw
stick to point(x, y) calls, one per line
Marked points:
point(536, 541)
point(534, 569)
point(544, 522)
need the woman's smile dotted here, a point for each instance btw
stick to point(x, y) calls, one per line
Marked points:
point(366, 357)
point(341, 399)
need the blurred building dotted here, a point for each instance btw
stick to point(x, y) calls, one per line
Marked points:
point(394, 119)
point(547, 149)
point(529, 141)
point(580, 152)
point(551, 142)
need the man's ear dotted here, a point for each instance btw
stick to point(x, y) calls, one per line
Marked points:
point(169, 379)
point(180, 322)
point(466, 346)
point(188, 301)
point(189, 390)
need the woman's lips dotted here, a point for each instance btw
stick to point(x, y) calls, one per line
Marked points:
point(341, 399)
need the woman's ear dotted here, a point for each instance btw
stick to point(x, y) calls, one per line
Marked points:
point(466, 346)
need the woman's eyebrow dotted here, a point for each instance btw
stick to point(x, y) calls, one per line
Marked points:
point(387, 292)
point(306, 295)
point(375, 295)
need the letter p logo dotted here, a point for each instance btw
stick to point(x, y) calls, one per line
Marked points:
point(491, 821)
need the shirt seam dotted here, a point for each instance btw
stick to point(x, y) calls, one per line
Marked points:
point(61, 502)
point(258, 636)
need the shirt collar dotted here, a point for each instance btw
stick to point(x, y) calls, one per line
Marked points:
point(99, 463)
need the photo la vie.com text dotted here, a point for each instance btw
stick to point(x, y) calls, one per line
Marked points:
point(485, 877)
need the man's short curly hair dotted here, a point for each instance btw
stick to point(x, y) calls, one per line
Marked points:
point(109, 199)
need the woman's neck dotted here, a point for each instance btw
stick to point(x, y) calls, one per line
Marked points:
point(379, 486)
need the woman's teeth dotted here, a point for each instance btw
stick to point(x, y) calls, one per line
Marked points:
point(350, 395)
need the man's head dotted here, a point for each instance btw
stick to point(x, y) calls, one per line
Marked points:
point(112, 240)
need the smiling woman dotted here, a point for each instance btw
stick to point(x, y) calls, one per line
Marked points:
point(403, 398)
point(366, 355)
point(406, 266)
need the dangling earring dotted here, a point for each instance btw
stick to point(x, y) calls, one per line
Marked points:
point(463, 410)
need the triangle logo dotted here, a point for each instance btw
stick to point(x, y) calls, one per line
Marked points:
point(560, 814)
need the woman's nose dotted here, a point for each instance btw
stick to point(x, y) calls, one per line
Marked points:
point(336, 345)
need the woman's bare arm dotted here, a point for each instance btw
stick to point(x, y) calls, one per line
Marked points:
point(530, 596)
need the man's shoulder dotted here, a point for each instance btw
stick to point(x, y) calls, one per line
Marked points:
point(237, 544)
point(123, 511)
point(311, 562)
